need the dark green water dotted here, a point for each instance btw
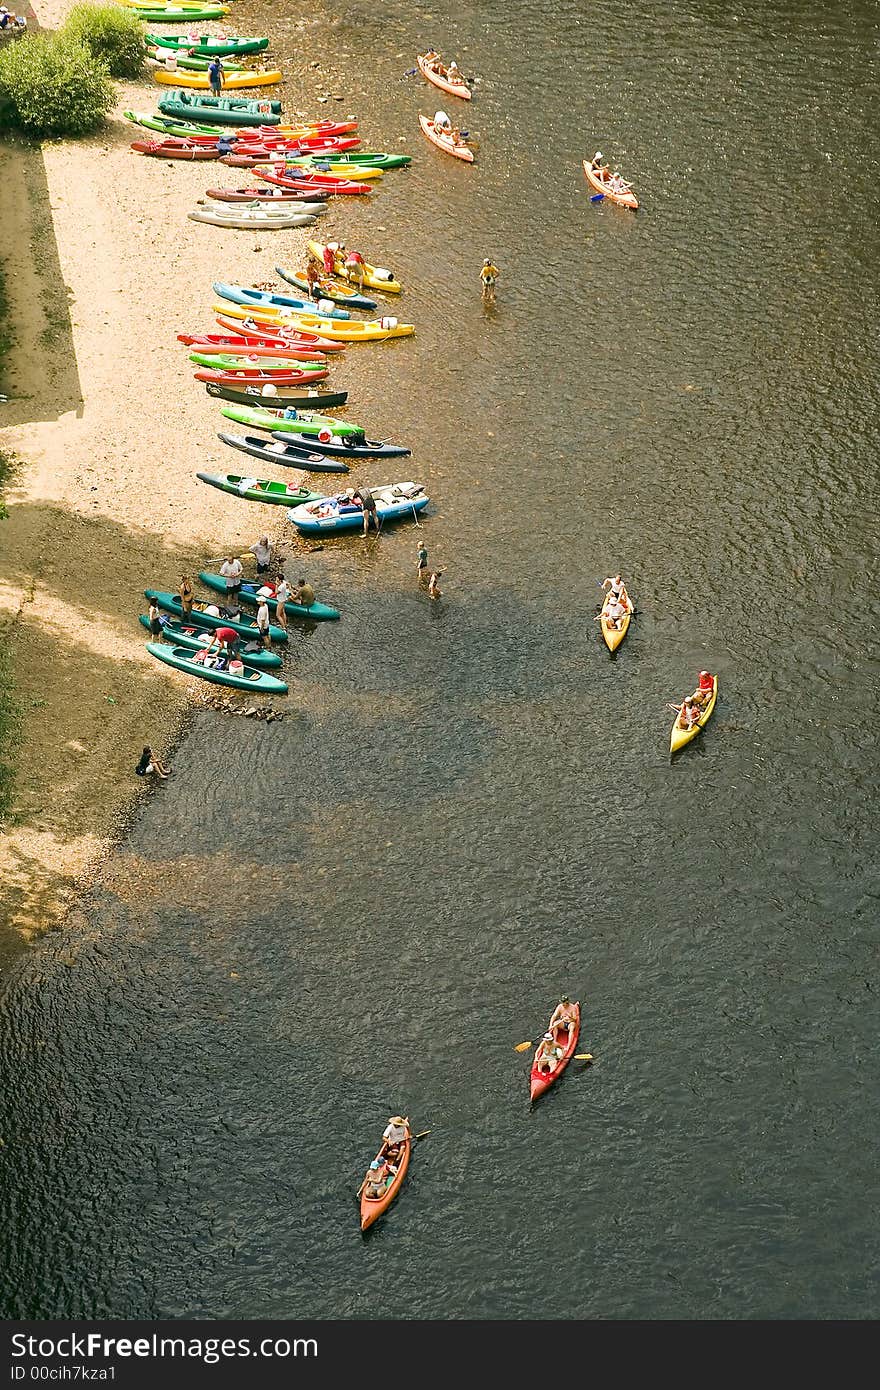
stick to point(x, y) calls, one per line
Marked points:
point(471, 808)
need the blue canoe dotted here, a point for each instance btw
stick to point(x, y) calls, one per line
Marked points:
point(239, 294)
point(394, 502)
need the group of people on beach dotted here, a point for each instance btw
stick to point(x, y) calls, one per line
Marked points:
point(11, 24)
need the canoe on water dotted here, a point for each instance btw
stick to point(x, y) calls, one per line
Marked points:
point(625, 199)
point(377, 277)
point(244, 393)
point(346, 448)
point(394, 502)
point(428, 68)
point(539, 1082)
point(329, 289)
point(252, 592)
point(614, 635)
point(680, 736)
point(196, 639)
point(373, 1207)
point(303, 422)
point(460, 150)
point(200, 617)
point(231, 80)
point(185, 660)
point(287, 455)
point(208, 45)
point(260, 489)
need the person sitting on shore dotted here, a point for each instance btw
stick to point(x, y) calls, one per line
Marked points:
point(548, 1054)
point(151, 766)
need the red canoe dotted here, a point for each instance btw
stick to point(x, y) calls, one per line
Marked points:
point(313, 127)
point(542, 1081)
point(263, 194)
point(258, 378)
point(257, 334)
point(310, 180)
point(373, 1207)
point(239, 344)
point(165, 150)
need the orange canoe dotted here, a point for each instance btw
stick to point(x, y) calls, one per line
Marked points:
point(627, 199)
point(373, 1207)
point(445, 142)
point(541, 1081)
point(455, 89)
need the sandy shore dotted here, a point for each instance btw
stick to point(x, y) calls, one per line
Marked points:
point(104, 269)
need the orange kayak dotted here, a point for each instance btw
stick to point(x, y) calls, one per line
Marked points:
point(627, 199)
point(373, 1207)
point(541, 1081)
point(445, 142)
point(455, 89)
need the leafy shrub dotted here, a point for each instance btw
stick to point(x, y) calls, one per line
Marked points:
point(51, 85)
point(111, 33)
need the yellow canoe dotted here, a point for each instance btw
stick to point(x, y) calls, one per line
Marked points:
point(374, 276)
point(202, 81)
point(340, 170)
point(615, 635)
point(341, 330)
point(679, 736)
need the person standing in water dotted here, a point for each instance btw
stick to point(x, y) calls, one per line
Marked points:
point(488, 276)
point(422, 563)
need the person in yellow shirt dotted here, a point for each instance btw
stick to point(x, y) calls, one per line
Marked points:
point(488, 275)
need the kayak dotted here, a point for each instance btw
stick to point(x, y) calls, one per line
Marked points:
point(235, 345)
point(272, 368)
point(248, 219)
point(374, 159)
point(185, 130)
point(259, 489)
point(394, 502)
point(287, 455)
point(679, 736)
point(208, 45)
point(185, 106)
point(283, 335)
point(301, 202)
point(627, 199)
point(251, 593)
point(182, 659)
point(177, 14)
point(539, 1082)
point(264, 385)
point(615, 635)
point(241, 294)
point(300, 421)
point(202, 81)
point(200, 617)
point(342, 187)
point(320, 127)
point(445, 142)
point(278, 204)
point(166, 149)
point(373, 1207)
point(247, 394)
point(293, 166)
point(173, 62)
point(328, 289)
point(376, 276)
point(196, 638)
point(351, 332)
point(345, 448)
point(455, 89)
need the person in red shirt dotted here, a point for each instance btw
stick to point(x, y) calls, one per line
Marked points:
point(704, 689)
point(329, 259)
point(227, 643)
point(354, 268)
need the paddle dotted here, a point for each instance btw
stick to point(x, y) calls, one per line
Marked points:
point(582, 1057)
point(597, 198)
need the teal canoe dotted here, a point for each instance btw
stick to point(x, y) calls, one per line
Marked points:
point(259, 490)
point(182, 659)
point(208, 45)
point(200, 617)
point(291, 421)
point(249, 594)
point(196, 638)
point(182, 105)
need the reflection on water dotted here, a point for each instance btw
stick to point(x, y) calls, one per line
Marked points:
point(470, 808)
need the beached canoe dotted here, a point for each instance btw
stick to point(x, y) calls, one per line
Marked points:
point(197, 106)
point(243, 294)
point(193, 131)
point(280, 333)
point(167, 149)
point(615, 635)
point(428, 69)
point(178, 14)
point(394, 502)
point(194, 664)
point(246, 393)
point(373, 159)
point(269, 368)
point(445, 142)
point(680, 736)
point(265, 387)
point(268, 77)
point(327, 182)
point(329, 289)
point(344, 448)
point(287, 455)
point(230, 345)
point(351, 332)
point(195, 638)
point(260, 489)
point(376, 276)
point(293, 167)
point(319, 127)
point(625, 199)
point(208, 45)
point(297, 421)
point(252, 592)
point(373, 1207)
point(539, 1081)
point(253, 219)
point(185, 62)
point(288, 197)
point(202, 616)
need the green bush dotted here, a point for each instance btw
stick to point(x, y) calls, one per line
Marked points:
point(111, 33)
point(51, 85)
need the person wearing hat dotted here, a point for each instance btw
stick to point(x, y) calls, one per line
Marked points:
point(564, 1016)
point(378, 1173)
point(394, 1136)
point(488, 275)
point(548, 1054)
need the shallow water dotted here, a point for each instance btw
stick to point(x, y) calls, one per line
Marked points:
point(470, 808)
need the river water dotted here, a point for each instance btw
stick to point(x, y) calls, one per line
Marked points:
point(470, 808)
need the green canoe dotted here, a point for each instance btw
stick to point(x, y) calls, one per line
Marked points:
point(169, 127)
point(196, 638)
point(196, 64)
point(198, 617)
point(294, 422)
point(182, 659)
point(375, 161)
point(260, 490)
point(319, 612)
point(172, 16)
point(182, 105)
point(241, 362)
point(208, 45)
